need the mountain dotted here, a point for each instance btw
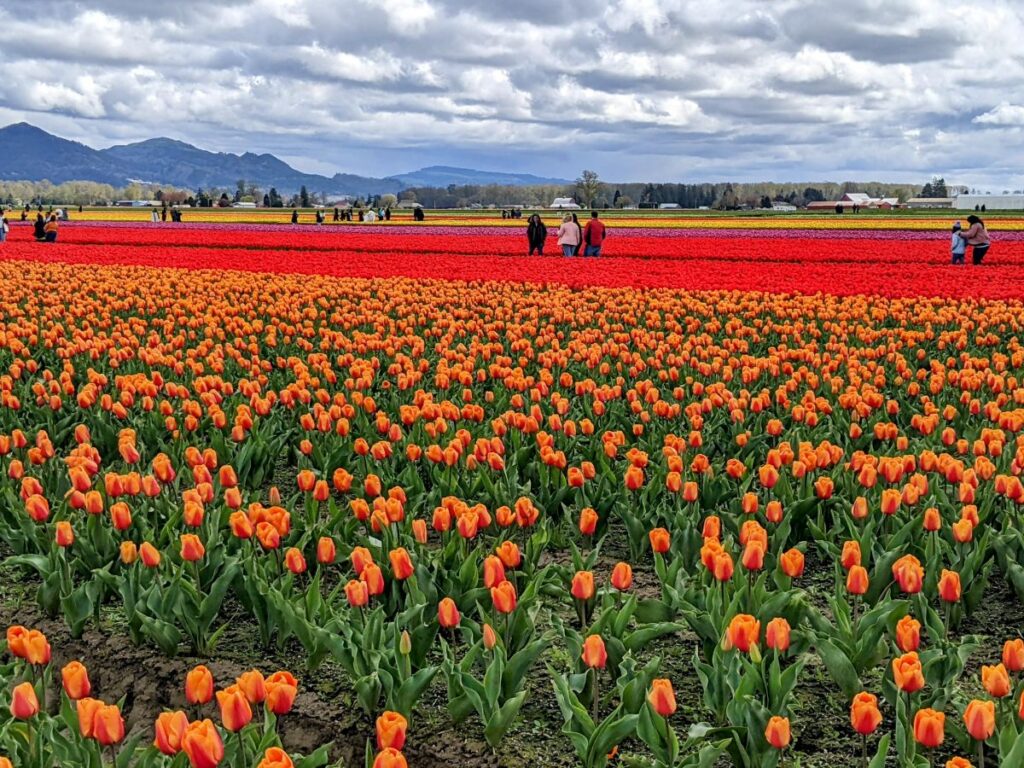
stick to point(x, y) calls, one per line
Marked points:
point(28, 153)
point(443, 175)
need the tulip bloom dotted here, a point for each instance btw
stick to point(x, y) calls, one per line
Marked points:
point(401, 563)
point(777, 634)
point(373, 577)
point(357, 593)
point(660, 540)
point(777, 732)
point(235, 712)
point(108, 725)
point(662, 697)
point(494, 571)
point(583, 585)
point(36, 648)
point(851, 554)
point(792, 563)
point(908, 634)
point(742, 633)
point(275, 757)
point(24, 703)
point(253, 685)
point(391, 730)
point(326, 551)
point(865, 716)
point(65, 534)
point(622, 576)
point(390, 758)
point(907, 672)
point(202, 744)
point(282, 688)
point(594, 654)
point(149, 555)
point(86, 710)
point(996, 680)
point(857, 580)
point(753, 555)
point(448, 613)
point(1013, 655)
point(588, 521)
point(504, 597)
point(75, 680)
point(509, 554)
point(980, 719)
point(169, 730)
point(949, 586)
point(199, 686)
point(929, 728)
point(192, 549)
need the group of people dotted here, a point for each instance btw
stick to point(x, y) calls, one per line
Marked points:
point(975, 236)
point(175, 214)
point(348, 214)
point(572, 237)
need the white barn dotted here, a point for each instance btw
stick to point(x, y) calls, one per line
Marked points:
point(991, 202)
point(565, 203)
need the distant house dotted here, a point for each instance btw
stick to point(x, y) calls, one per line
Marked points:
point(669, 206)
point(779, 206)
point(930, 202)
point(886, 203)
point(565, 203)
point(243, 204)
point(407, 205)
point(828, 205)
point(858, 198)
point(991, 202)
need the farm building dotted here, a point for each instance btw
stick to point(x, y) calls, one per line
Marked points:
point(669, 206)
point(565, 203)
point(779, 206)
point(930, 202)
point(991, 202)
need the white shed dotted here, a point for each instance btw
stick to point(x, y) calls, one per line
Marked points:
point(991, 202)
point(565, 203)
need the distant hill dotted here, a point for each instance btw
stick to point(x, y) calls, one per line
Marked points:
point(443, 176)
point(28, 153)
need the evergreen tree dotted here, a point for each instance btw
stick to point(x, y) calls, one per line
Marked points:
point(304, 197)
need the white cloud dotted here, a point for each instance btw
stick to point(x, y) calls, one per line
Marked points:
point(1004, 114)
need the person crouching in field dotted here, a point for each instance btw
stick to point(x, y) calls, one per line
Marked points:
point(959, 245)
point(50, 229)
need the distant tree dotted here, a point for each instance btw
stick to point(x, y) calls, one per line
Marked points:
point(407, 195)
point(588, 186)
point(766, 202)
point(625, 201)
point(304, 197)
point(615, 199)
point(275, 198)
point(813, 195)
point(224, 201)
point(266, 201)
point(388, 200)
point(239, 190)
point(927, 190)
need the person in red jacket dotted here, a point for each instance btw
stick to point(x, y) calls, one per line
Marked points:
point(594, 235)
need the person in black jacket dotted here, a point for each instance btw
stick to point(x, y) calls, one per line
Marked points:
point(536, 235)
point(39, 230)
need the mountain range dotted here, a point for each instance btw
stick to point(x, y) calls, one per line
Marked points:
point(28, 153)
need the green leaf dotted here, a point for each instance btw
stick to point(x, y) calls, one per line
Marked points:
point(840, 668)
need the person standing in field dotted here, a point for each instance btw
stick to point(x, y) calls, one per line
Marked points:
point(976, 237)
point(594, 235)
point(579, 230)
point(569, 236)
point(153, 215)
point(959, 245)
point(5, 226)
point(39, 228)
point(295, 216)
point(536, 235)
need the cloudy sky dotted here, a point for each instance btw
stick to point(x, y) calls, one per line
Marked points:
point(661, 90)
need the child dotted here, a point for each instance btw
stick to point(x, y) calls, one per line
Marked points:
point(959, 245)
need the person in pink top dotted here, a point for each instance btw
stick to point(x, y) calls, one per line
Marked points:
point(976, 237)
point(594, 235)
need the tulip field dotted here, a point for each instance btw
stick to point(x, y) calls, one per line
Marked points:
point(731, 494)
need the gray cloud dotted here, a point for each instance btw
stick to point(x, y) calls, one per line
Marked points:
point(638, 89)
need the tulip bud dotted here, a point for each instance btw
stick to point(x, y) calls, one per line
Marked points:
point(169, 730)
point(405, 643)
point(980, 719)
point(865, 716)
point(594, 654)
point(662, 697)
point(777, 732)
point(929, 728)
point(202, 744)
point(490, 637)
point(391, 730)
point(75, 680)
point(622, 576)
point(24, 703)
point(199, 686)
point(235, 711)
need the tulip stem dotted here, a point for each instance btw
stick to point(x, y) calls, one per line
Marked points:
point(241, 748)
point(981, 754)
point(595, 704)
point(864, 750)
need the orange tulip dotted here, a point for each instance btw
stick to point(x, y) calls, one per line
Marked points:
point(929, 728)
point(660, 540)
point(907, 672)
point(86, 710)
point(24, 703)
point(241, 525)
point(494, 571)
point(588, 521)
point(980, 719)
point(622, 576)
point(823, 488)
point(199, 686)
point(504, 597)
point(777, 634)
point(857, 580)
point(65, 534)
point(253, 685)
point(996, 680)
point(583, 585)
point(149, 555)
point(909, 574)
point(202, 744)
point(192, 549)
point(75, 680)
point(36, 648)
point(792, 563)
point(662, 697)
point(908, 634)
point(448, 613)
point(490, 638)
point(851, 554)
point(373, 577)
point(594, 654)
point(753, 555)
point(275, 757)
point(391, 730)
point(1013, 655)
point(129, 552)
point(509, 554)
point(742, 633)
point(390, 758)
point(777, 732)
point(281, 688)
point(357, 593)
point(401, 563)
point(235, 712)
point(326, 551)
point(361, 558)
point(712, 528)
point(108, 725)
point(722, 566)
point(949, 586)
point(865, 716)
point(169, 730)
